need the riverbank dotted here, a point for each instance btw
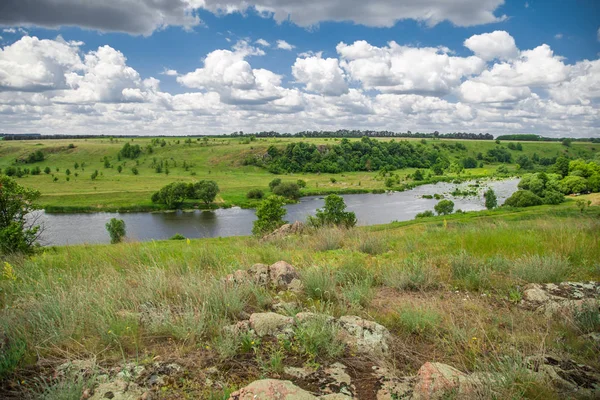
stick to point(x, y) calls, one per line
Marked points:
point(155, 315)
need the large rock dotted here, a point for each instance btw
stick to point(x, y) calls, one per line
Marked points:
point(285, 230)
point(567, 375)
point(366, 336)
point(560, 299)
point(260, 274)
point(440, 381)
point(270, 323)
point(272, 389)
point(117, 390)
point(282, 275)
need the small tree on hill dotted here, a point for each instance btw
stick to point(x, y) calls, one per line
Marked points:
point(17, 234)
point(116, 230)
point(204, 190)
point(444, 207)
point(269, 215)
point(333, 213)
point(491, 201)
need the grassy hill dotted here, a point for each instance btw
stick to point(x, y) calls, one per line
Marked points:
point(216, 158)
point(448, 289)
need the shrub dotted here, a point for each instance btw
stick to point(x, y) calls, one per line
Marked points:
point(94, 175)
point(318, 339)
point(269, 215)
point(319, 284)
point(418, 321)
point(116, 230)
point(135, 171)
point(177, 236)
point(372, 244)
point(47, 170)
point(129, 151)
point(523, 198)
point(333, 214)
point(333, 180)
point(255, 194)
point(274, 183)
point(17, 234)
point(287, 189)
point(425, 214)
point(573, 184)
point(553, 197)
point(301, 183)
point(444, 207)
point(491, 201)
point(540, 269)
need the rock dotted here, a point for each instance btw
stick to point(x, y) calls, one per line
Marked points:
point(270, 389)
point(535, 294)
point(559, 299)
point(566, 375)
point(335, 396)
point(341, 382)
point(239, 276)
point(260, 274)
point(270, 323)
point(76, 368)
point(307, 316)
point(392, 387)
point(237, 328)
point(282, 274)
point(117, 390)
point(131, 371)
point(298, 372)
point(367, 336)
point(439, 381)
point(285, 230)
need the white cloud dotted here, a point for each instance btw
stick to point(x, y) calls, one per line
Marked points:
point(401, 69)
point(320, 75)
point(536, 67)
point(489, 46)
point(170, 72)
point(583, 85)
point(477, 92)
point(263, 43)
point(31, 64)
point(283, 45)
point(9, 30)
point(558, 36)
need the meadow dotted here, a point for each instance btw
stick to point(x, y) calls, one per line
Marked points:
point(447, 288)
point(218, 159)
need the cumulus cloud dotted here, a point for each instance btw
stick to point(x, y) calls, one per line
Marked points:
point(131, 16)
point(320, 75)
point(263, 43)
point(402, 69)
point(170, 72)
point(381, 13)
point(283, 45)
point(477, 92)
point(489, 46)
point(31, 64)
point(583, 85)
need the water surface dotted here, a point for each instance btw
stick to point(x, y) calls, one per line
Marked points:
point(370, 209)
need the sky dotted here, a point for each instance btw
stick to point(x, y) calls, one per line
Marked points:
point(174, 67)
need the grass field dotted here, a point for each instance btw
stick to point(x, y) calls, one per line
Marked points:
point(216, 159)
point(446, 288)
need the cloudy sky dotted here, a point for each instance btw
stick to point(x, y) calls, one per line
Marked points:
point(218, 66)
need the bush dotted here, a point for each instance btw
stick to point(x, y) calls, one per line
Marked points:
point(318, 338)
point(269, 215)
point(129, 151)
point(333, 214)
point(553, 197)
point(255, 194)
point(523, 198)
point(116, 230)
point(301, 183)
point(444, 207)
point(177, 236)
point(135, 171)
point(491, 201)
point(573, 184)
point(274, 183)
point(425, 214)
point(17, 234)
point(287, 189)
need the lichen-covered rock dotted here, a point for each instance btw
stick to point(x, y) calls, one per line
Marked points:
point(259, 274)
point(392, 387)
point(285, 230)
point(552, 299)
point(238, 276)
point(270, 323)
point(282, 274)
point(567, 375)
point(338, 380)
point(439, 381)
point(366, 336)
point(117, 390)
point(272, 389)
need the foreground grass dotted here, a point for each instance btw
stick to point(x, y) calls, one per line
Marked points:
point(446, 289)
point(217, 159)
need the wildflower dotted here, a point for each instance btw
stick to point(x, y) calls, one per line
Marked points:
point(188, 241)
point(8, 272)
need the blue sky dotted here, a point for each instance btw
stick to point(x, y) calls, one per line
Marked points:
point(569, 29)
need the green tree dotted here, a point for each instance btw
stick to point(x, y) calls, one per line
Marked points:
point(561, 166)
point(68, 171)
point(47, 170)
point(301, 183)
point(255, 194)
point(17, 233)
point(116, 230)
point(171, 195)
point(204, 190)
point(491, 201)
point(269, 215)
point(275, 182)
point(444, 207)
point(333, 213)
point(418, 175)
point(94, 175)
point(523, 198)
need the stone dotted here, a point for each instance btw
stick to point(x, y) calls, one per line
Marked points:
point(282, 274)
point(260, 274)
point(392, 387)
point(271, 389)
point(237, 328)
point(298, 372)
point(566, 375)
point(536, 295)
point(76, 368)
point(307, 316)
point(367, 336)
point(341, 382)
point(335, 396)
point(437, 381)
point(270, 323)
point(239, 276)
point(117, 389)
point(285, 230)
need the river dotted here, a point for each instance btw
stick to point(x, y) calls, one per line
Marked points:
point(370, 209)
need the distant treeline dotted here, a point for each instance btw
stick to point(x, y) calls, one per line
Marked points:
point(538, 138)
